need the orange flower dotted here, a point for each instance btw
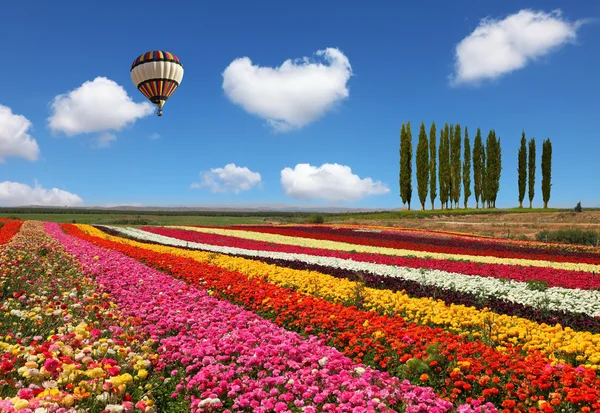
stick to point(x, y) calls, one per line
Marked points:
point(424, 377)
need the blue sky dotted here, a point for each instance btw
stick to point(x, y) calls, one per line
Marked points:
point(389, 64)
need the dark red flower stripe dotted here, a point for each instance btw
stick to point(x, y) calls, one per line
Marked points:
point(416, 244)
point(484, 373)
point(579, 322)
point(8, 230)
point(553, 276)
point(458, 240)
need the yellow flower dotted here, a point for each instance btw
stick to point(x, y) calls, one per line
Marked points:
point(20, 403)
point(68, 400)
point(142, 374)
point(95, 373)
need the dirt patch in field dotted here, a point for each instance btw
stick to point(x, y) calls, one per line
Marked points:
point(498, 225)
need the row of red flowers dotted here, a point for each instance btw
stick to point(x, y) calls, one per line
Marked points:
point(8, 230)
point(430, 244)
point(553, 276)
point(457, 369)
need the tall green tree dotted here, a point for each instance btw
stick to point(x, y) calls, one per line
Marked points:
point(531, 167)
point(402, 133)
point(444, 167)
point(546, 170)
point(489, 166)
point(497, 170)
point(401, 152)
point(432, 165)
point(522, 169)
point(478, 154)
point(485, 192)
point(467, 168)
point(422, 166)
point(448, 185)
point(406, 164)
point(450, 181)
point(493, 168)
point(455, 172)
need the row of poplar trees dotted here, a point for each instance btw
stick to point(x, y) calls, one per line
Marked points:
point(526, 170)
point(454, 175)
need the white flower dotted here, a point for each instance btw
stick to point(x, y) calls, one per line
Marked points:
point(209, 401)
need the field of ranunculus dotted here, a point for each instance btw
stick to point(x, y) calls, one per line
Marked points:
point(303, 318)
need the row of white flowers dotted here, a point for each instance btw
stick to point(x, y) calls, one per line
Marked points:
point(554, 298)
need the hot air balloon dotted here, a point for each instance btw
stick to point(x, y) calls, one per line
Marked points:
point(157, 74)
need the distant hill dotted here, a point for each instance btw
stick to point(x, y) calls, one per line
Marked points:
point(222, 208)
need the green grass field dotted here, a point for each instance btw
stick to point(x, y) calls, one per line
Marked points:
point(151, 219)
point(219, 218)
point(388, 215)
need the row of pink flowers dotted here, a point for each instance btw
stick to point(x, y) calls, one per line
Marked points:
point(553, 276)
point(235, 360)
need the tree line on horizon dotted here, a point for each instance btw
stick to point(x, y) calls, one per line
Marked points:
point(444, 164)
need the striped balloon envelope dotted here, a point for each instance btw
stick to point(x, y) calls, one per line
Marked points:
point(157, 74)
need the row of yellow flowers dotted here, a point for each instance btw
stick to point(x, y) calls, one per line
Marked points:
point(561, 344)
point(344, 246)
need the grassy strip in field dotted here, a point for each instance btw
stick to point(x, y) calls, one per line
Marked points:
point(233, 217)
point(132, 219)
point(383, 215)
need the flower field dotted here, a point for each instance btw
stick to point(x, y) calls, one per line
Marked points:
point(293, 319)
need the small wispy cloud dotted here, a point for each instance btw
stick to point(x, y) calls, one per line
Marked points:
point(231, 178)
point(104, 140)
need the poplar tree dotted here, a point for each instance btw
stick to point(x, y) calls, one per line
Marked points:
point(401, 152)
point(444, 166)
point(546, 170)
point(432, 165)
point(467, 168)
point(422, 166)
point(478, 153)
point(455, 145)
point(498, 171)
point(484, 181)
point(406, 164)
point(489, 167)
point(522, 169)
point(450, 180)
point(449, 132)
point(531, 167)
point(493, 168)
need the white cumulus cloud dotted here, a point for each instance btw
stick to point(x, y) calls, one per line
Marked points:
point(329, 182)
point(497, 47)
point(14, 139)
point(231, 178)
point(18, 194)
point(292, 95)
point(97, 105)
